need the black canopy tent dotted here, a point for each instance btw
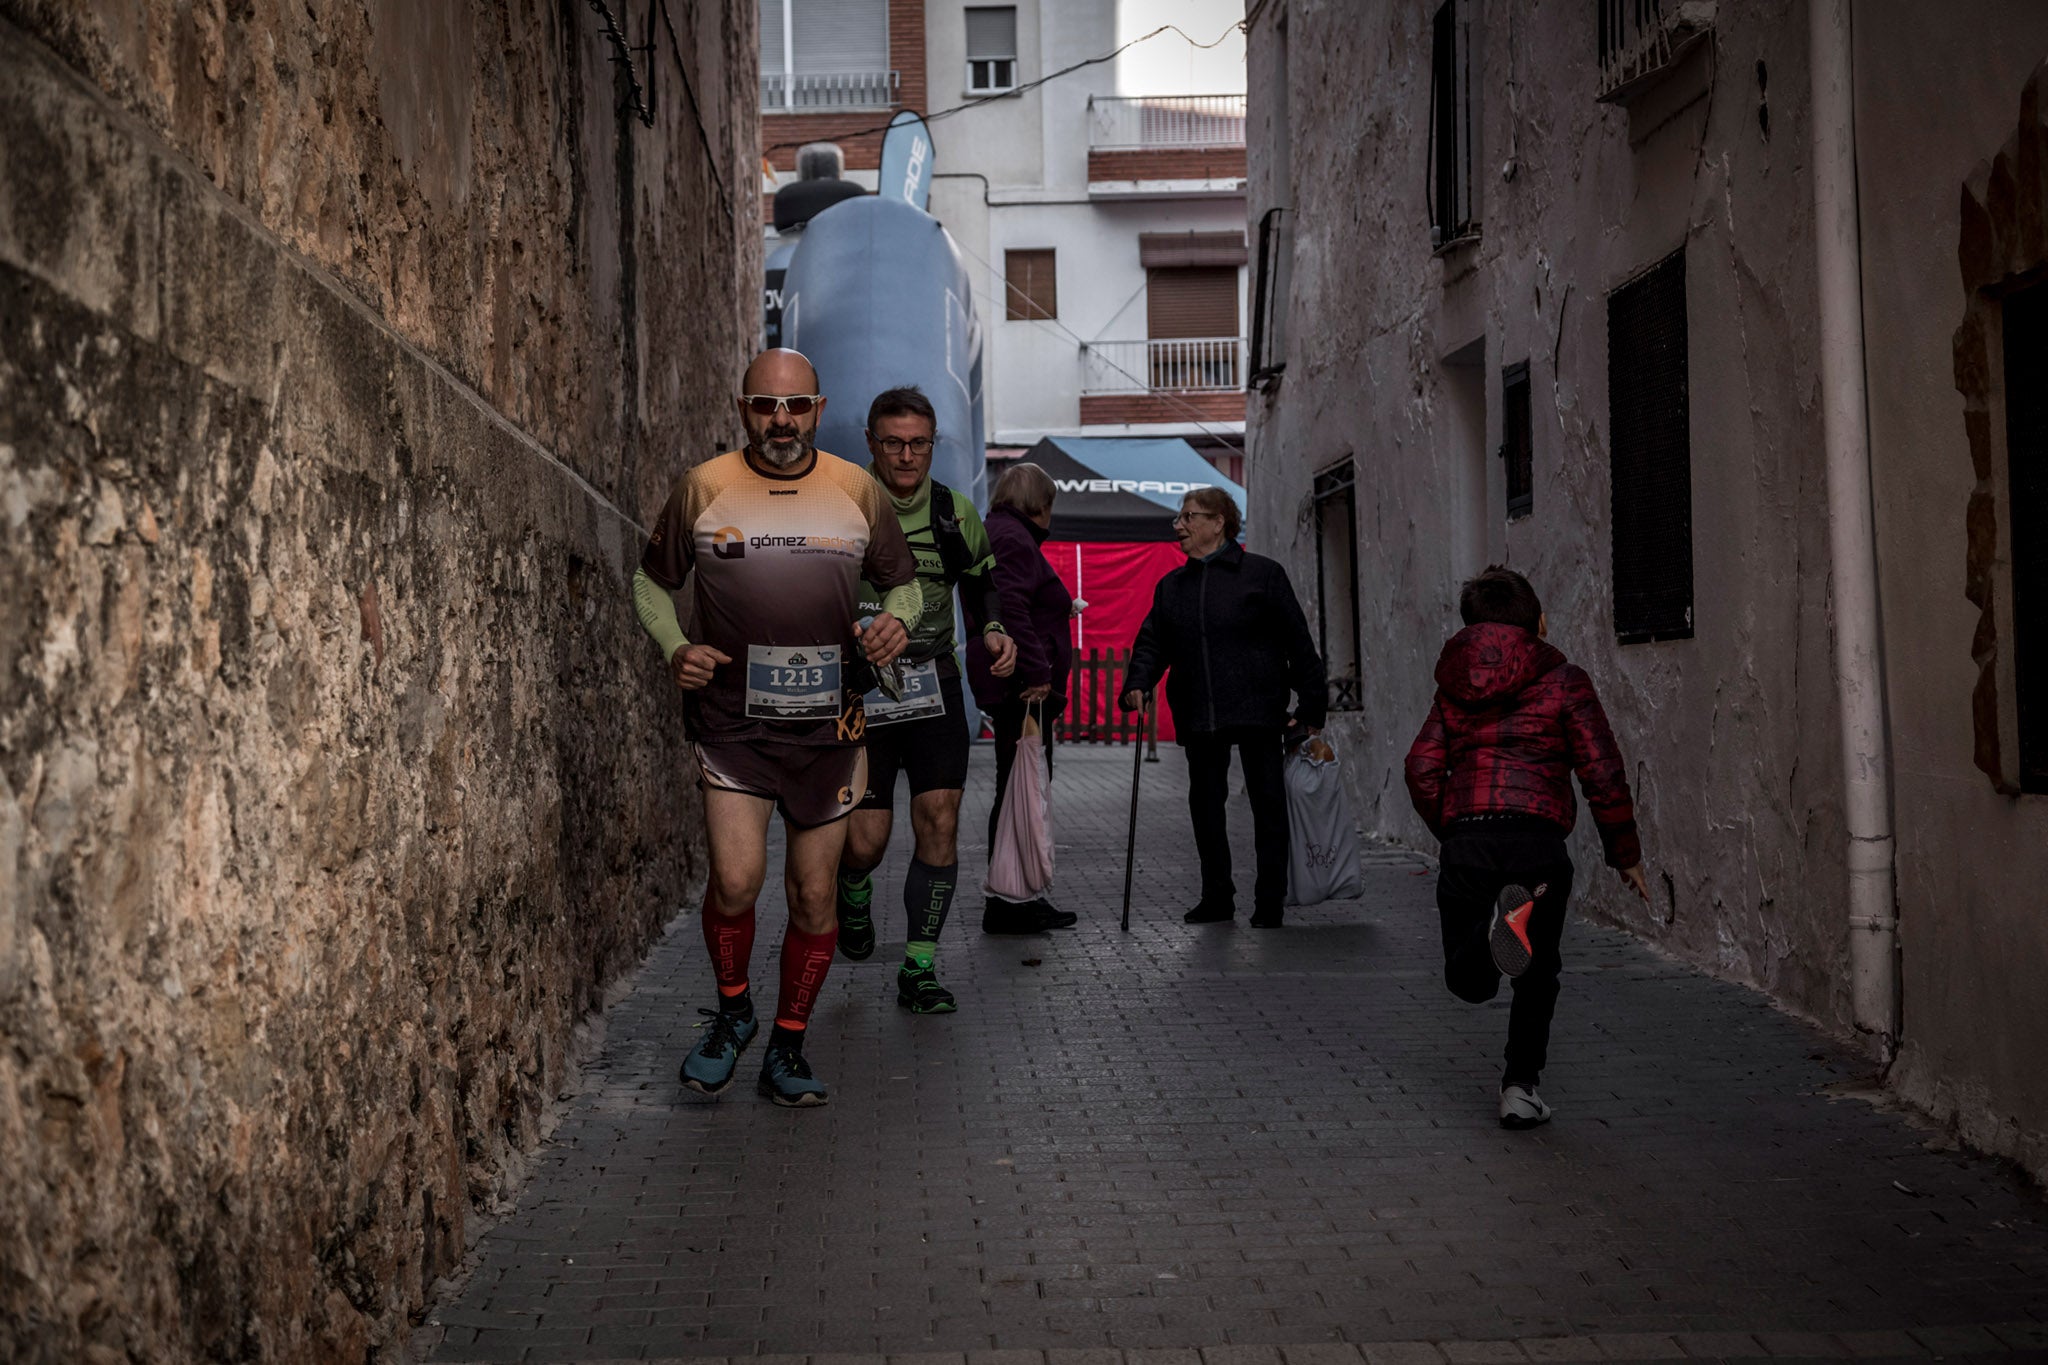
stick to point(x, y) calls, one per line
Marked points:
point(1122, 490)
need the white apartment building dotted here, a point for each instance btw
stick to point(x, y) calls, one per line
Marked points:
point(1106, 234)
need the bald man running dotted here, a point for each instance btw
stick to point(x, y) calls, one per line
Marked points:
point(777, 538)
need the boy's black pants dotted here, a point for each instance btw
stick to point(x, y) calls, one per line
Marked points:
point(1260, 750)
point(1478, 858)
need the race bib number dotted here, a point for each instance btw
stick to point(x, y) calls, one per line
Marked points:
point(800, 683)
point(921, 697)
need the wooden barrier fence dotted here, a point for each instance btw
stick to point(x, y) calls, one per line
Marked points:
point(1093, 716)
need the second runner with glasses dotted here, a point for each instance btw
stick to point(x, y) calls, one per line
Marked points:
point(924, 734)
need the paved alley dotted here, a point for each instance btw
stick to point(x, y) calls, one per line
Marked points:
point(1226, 1138)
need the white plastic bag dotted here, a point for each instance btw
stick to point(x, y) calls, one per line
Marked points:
point(1322, 838)
point(1020, 862)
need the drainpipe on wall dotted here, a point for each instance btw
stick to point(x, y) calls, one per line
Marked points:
point(1852, 541)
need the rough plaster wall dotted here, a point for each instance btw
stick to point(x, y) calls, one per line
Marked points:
point(336, 780)
point(1730, 735)
point(1936, 232)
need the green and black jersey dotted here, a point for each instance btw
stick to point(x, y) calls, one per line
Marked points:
point(931, 635)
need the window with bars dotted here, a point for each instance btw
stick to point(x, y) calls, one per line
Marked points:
point(1650, 455)
point(2024, 315)
point(1032, 289)
point(1517, 440)
point(1453, 127)
point(1336, 512)
point(991, 49)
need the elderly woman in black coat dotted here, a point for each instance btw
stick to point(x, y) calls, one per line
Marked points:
point(1228, 634)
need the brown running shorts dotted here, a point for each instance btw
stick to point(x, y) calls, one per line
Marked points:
point(811, 784)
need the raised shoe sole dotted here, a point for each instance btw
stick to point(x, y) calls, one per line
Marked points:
point(1508, 939)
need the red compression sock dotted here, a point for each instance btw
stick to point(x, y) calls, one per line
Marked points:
point(805, 958)
point(731, 941)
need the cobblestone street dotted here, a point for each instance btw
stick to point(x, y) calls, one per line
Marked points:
point(1221, 1137)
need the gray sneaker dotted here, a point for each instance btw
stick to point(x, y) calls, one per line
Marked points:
point(709, 1067)
point(786, 1078)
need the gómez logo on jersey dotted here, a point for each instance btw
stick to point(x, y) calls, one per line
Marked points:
point(729, 542)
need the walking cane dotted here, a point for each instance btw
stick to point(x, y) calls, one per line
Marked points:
point(1131, 844)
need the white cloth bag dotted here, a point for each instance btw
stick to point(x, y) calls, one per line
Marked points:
point(1322, 836)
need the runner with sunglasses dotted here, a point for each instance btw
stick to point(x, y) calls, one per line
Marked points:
point(776, 539)
point(924, 733)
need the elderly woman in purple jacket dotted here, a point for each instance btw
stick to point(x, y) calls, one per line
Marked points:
point(1036, 609)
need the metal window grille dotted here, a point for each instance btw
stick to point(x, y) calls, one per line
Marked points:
point(1452, 130)
point(991, 48)
point(1336, 511)
point(2024, 314)
point(1269, 298)
point(1641, 40)
point(1650, 454)
point(1518, 445)
point(1031, 285)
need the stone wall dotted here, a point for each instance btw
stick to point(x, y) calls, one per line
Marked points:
point(344, 352)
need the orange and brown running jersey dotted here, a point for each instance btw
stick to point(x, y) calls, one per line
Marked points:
point(778, 562)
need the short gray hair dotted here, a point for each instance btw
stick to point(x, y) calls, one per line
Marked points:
point(1026, 487)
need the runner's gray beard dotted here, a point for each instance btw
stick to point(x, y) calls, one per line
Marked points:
point(800, 447)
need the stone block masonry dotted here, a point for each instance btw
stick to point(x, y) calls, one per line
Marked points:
point(339, 369)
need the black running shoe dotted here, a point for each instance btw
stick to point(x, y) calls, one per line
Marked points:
point(918, 990)
point(1209, 913)
point(1272, 917)
point(856, 922)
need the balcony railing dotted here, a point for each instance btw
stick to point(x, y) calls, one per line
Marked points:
point(781, 94)
point(1180, 365)
point(1119, 123)
point(1640, 40)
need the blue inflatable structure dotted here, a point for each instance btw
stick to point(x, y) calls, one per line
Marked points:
point(876, 294)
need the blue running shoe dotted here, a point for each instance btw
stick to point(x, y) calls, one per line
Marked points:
point(786, 1078)
point(709, 1067)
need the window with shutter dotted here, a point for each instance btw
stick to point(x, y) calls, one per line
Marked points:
point(1032, 288)
point(1517, 444)
point(1650, 454)
point(991, 48)
point(2025, 322)
point(1199, 301)
point(1191, 318)
point(773, 55)
point(835, 37)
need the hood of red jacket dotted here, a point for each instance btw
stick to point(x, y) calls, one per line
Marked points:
point(1489, 663)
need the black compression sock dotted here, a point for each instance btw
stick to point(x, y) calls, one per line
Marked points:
point(928, 896)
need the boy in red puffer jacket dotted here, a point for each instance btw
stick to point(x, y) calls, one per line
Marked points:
point(1490, 775)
